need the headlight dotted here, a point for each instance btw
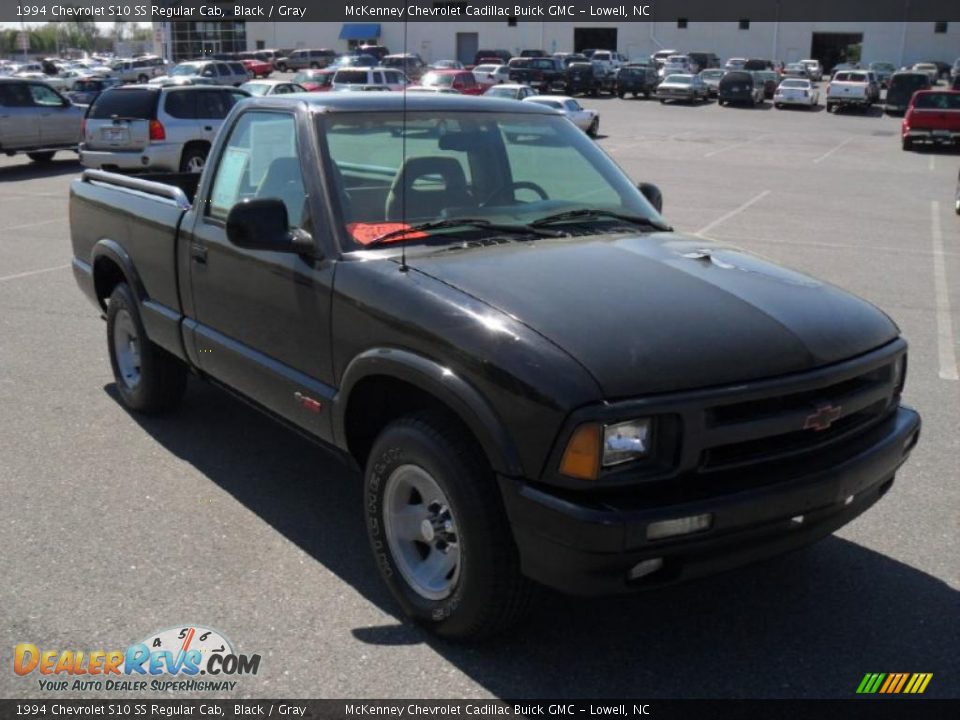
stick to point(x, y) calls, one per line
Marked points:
point(626, 441)
point(899, 372)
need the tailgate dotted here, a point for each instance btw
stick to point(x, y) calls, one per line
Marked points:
point(935, 119)
point(119, 133)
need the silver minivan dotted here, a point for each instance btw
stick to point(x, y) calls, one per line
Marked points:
point(37, 120)
point(143, 127)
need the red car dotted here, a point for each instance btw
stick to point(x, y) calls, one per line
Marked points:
point(258, 68)
point(933, 116)
point(463, 81)
point(315, 80)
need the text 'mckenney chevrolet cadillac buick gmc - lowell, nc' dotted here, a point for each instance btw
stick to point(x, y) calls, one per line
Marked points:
point(542, 382)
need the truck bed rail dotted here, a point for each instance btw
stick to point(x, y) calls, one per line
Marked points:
point(174, 194)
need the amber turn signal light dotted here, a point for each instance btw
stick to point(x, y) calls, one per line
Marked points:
point(581, 459)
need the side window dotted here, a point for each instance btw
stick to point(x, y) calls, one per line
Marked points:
point(15, 95)
point(181, 104)
point(45, 96)
point(223, 69)
point(260, 161)
point(213, 105)
point(281, 90)
point(378, 78)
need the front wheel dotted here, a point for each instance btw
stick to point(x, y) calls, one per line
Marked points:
point(438, 529)
point(41, 157)
point(193, 160)
point(148, 378)
point(594, 128)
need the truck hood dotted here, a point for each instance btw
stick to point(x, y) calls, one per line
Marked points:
point(663, 312)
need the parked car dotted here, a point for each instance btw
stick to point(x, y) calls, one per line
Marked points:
point(883, 71)
point(409, 64)
point(541, 73)
point(610, 60)
point(510, 91)
point(257, 68)
point(205, 72)
point(581, 79)
point(484, 57)
point(956, 196)
point(377, 51)
point(53, 81)
point(36, 120)
point(796, 91)
point(735, 64)
point(849, 88)
point(304, 59)
point(155, 128)
point(507, 425)
point(259, 88)
point(315, 80)
point(682, 87)
point(432, 90)
point(901, 87)
point(352, 78)
point(754, 64)
point(446, 65)
point(930, 69)
point(139, 70)
point(797, 70)
point(740, 87)
point(462, 81)
point(636, 80)
point(814, 68)
point(711, 78)
point(533, 53)
point(703, 61)
point(353, 61)
point(676, 65)
point(933, 117)
point(574, 58)
point(490, 74)
point(955, 69)
point(85, 91)
point(586, 120)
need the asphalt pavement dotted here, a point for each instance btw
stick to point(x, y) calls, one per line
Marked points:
point(115, 526)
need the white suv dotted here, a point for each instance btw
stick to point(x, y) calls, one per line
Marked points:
point(358, 78)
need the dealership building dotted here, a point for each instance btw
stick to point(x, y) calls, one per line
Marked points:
point(901, 43)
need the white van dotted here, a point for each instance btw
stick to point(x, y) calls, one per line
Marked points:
point(362, 78)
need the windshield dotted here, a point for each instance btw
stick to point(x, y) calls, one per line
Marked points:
point(504, 168)
point(678, 79)
point(186, 70)
point(937, 101)
point(798, 84)
point(499, 91)
point(712, 74)
point(432, 78)
point(255, 89)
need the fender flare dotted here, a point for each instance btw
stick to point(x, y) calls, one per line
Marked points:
point(105, 248)
point(448, 387)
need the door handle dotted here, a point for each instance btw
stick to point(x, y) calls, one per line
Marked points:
point(198, 253)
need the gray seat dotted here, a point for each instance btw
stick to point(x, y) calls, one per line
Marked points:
point(407, 202)
point(283, 181)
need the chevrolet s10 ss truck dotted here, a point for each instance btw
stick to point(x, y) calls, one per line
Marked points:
point(542, 382)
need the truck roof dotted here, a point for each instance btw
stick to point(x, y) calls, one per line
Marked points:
point(398, 102)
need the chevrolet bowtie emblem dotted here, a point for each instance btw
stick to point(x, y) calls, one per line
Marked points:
point(823, 418)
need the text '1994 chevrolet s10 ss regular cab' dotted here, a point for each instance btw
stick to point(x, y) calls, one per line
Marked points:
point(542, 382)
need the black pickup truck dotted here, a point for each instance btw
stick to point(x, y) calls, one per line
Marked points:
point(542, 385)
point(542, 73)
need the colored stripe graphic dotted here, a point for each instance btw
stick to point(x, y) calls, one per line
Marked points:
point(894, 683)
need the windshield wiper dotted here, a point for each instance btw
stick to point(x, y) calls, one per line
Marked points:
point(596, 214)
point(480, 223)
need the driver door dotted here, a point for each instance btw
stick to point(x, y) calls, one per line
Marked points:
point(59, 120)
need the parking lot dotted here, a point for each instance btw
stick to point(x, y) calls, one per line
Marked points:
point(116, 526)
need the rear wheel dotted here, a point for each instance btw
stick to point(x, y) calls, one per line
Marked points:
point(41, 157)
point(142, 79)
point(778, 106)
point(193, 159)
point(148, 378)
point(720, 102)
point(594, 128)
point(314, 65)
point(906, 143)
point(438, 530)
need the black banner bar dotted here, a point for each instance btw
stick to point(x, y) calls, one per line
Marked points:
point(854, 709)
point(605, 11)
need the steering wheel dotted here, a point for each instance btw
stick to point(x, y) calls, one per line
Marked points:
point(500, 194)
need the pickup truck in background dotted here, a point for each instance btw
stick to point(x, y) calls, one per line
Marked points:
point(933, 117)
point(850, 88)
point(405, 298)
point(543, 73)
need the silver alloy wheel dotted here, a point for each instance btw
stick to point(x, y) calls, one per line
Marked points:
point(126, 347)
point(195, 163)
point(421, 532)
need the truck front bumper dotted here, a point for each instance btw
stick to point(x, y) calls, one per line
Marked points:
point(591, 549)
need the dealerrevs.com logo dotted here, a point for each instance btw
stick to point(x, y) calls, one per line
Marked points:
point(185, 659)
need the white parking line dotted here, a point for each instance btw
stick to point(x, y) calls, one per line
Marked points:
point(736, 211)
point(830, 152)
point(945, 341)
point(34, 224)
point(32, 272)
point(933, 164)
point(733, 147)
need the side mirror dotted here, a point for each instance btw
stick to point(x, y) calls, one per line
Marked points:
point(652, 193)
point(262, 224)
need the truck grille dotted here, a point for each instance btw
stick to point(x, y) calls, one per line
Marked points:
point(781, 426)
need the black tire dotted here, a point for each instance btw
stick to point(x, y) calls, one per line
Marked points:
point(314, 66)
point(162, 377)
point(489, 595)
point(906, 143)
point(142, 79)
point(829, 107)
point(621, 95)
point(646, 94)
point(282, 67)
point(636, 95)
point(194, 158)
point(720, 102)
point(42, 157)
point(662, 101)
